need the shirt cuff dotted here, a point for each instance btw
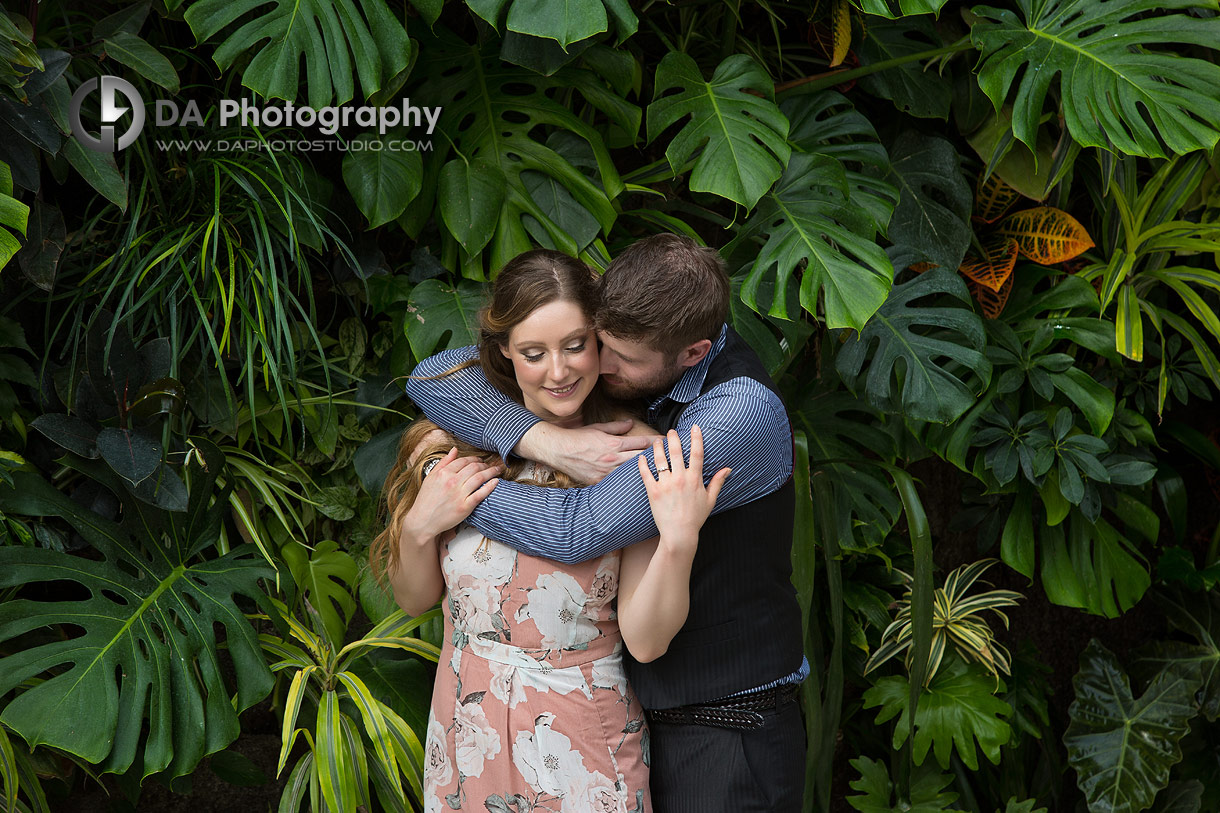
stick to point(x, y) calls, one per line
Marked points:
point(507, 426)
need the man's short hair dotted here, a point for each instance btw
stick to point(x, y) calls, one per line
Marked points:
point(665, 291)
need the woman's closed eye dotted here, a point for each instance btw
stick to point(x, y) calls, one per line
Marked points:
point(578, 348)
point(536, 357)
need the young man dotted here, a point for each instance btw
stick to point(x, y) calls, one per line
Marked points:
point(726, 729)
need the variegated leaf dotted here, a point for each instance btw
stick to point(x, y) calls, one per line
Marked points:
point(994, 269)
point(993, 198)
point(1045, 234)
point(992, 302)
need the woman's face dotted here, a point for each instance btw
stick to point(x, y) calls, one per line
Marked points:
point(554, 356)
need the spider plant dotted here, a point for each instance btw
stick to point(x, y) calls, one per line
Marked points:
point(956, 619)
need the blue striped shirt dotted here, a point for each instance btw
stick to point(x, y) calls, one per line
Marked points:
point(744, 424)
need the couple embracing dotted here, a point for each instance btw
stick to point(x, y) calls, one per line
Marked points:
point(627, 534)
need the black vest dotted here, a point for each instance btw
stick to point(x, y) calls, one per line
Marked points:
point(744, 625)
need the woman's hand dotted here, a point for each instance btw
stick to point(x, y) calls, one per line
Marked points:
point(454, 487)
point(680, 503)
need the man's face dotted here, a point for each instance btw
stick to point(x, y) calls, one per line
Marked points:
point(634, 370)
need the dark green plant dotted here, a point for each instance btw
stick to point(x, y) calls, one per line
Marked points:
point(138, 679)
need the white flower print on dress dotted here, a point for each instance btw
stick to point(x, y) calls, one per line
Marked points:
point(597, 795)
point(506, 685)
point(546, 759)
point(472, 554)
point(608, 673)
point(473, 603)
point(556, 606)
point(438, 771)
point(604, 588)
point(475, 739)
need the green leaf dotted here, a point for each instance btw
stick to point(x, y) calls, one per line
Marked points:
point(70, 432)
point(823, 217)
point(935, 362)
point(99, 170)
point(565, 22)
point(1116, 89)
point(957, 708)
point(237, 769)
point(1093, 399)
point(879, 791)
point(327, 576)
point(130, 50)
point(899, 8)
point(13, 214)
point(1182, 796)
point(437, 310)
point(1123, 747)
point(470, 195)
point(132, 454)
point(932, 219)
point(335, 769)
point(740, 134)
point(913, 90)
point(334, 37)
point(9, 775)
point(148, 616)
point(1017, 541)
point(1197, 616)
point(843, 439)
point(382, 181)
point(402, 682)
point(498, 113)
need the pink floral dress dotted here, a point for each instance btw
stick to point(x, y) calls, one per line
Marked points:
point(531, 710)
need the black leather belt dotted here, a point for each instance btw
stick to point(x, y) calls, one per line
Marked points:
point(740, 712)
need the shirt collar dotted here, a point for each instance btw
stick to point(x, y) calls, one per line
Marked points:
point(691, 383)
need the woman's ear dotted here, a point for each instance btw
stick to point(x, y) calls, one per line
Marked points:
point(504, 351)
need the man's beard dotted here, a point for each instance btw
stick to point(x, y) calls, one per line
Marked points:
point(659, 384)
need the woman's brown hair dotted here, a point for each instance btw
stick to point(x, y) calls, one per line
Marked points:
point(526, 283)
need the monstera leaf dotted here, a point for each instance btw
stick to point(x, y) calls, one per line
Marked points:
point(143, 673)
point(733, 118)
point(932, 219)
point(493, 113)
point(958, 707)
point(913, 90)
point(1116, 89)
point(823, 217)
point(436, 309)
point(1122, 747)
point(938, 345)
point(842, 441)
point(334, 37)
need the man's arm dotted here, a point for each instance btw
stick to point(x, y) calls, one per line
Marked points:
point(744, 428)
point(467, 405)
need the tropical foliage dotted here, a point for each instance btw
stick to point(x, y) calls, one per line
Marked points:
point(976, 245)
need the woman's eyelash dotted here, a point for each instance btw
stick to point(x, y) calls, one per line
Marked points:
point(576, 348)
point(535, 357)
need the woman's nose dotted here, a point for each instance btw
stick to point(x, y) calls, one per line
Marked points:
point(559, 367)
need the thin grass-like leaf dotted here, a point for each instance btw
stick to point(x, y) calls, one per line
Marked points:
point(330, 751)
point(374, 721)
point(297, 785)
point(9, 780)
point(292, 707)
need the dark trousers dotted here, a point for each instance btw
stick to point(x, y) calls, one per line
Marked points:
point(701, 769)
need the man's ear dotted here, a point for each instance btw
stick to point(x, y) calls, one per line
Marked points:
point(693, 354)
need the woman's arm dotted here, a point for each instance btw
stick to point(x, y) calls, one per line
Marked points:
point(654, 576)
point(447, 496)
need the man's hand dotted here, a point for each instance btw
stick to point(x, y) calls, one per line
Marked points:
point(586, 454)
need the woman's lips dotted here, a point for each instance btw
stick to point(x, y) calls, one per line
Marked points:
point(562, 392)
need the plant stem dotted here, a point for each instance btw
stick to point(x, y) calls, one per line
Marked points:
point(812, 84)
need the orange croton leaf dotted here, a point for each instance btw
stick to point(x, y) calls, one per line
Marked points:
point(994, 269)
point(992, 302)
point(1045, 234)
point(992, 198)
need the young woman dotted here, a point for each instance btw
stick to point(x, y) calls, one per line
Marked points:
point(531, 704)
